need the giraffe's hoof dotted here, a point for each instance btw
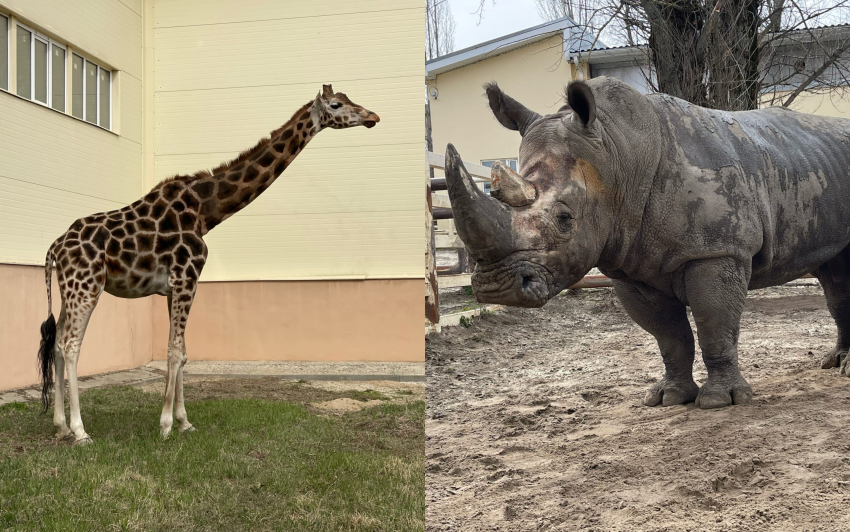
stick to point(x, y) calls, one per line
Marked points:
point(85, 440)
point(64, 435)
point(190, 428)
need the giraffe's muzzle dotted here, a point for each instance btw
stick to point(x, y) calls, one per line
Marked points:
point(371, 120)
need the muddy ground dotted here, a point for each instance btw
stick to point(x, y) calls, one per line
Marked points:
point(534, 422)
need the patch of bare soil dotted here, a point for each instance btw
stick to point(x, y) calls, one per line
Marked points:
point(345, 404)
point(322, 395)
point(534, 422)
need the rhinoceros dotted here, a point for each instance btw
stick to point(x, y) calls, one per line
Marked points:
point(681, 206)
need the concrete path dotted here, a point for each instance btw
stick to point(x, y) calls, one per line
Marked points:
point(311, 371)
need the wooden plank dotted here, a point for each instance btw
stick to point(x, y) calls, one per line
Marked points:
point(455, 281)
point(481, 173)
point(448, 242)
point(438, 200)
point(432, 292)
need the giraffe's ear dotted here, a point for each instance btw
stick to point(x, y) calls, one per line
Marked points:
point(327, 91)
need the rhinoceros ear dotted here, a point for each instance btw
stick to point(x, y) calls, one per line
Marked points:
point(581, 101)
point(509, 112)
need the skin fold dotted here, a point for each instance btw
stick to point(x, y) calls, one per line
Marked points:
point(680, 205)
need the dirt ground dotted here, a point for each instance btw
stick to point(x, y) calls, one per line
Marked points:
point(534, 422)
point(322, 396)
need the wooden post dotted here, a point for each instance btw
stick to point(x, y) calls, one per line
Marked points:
point(432, 300)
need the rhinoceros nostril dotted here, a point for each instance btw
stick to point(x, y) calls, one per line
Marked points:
point(526, 280)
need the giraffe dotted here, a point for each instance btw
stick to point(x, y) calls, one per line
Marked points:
point(155, 246)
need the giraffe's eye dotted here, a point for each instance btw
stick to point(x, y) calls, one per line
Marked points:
point(336, 105)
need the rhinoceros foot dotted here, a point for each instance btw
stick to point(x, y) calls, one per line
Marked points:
point(835, 358)
point(668, 392)
point(718, 392)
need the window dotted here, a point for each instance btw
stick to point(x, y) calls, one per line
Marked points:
point(512, 163)
point(42, 74)
point(57, 77)
point(91, 92)
point(41, 69)
point(4, 53)
point(24, 58)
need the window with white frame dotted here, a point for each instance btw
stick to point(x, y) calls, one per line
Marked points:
point(512, 163)
point(40, 68)
point(91, 92)
point(41, 74)
point(4, 52)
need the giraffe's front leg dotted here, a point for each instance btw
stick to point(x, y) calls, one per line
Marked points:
point(183, 424)
point(179, 304)
point(166, 420)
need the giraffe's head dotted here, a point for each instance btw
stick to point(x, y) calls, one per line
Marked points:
point(337, 111)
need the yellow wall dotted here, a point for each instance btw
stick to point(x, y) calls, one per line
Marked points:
point(827, 104)
point(535, 75)
point(350, 207)
point(55, 168)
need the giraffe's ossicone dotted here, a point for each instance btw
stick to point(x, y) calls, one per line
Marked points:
point(155, 246)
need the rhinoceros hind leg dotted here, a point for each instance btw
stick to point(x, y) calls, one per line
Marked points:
point(834, 277)
point(716, 290)
point(834, 358)
point(666, 319)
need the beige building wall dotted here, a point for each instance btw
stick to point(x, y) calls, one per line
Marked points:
point(535, 75)
point(325, 266)
point(55, 168)
point(350, 205)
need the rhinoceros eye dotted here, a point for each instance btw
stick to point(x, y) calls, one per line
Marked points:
point(565, 221)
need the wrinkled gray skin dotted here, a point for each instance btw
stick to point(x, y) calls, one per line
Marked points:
point(680, 205)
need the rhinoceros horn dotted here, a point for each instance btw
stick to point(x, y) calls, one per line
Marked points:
point(482, 223)
point(509, 187)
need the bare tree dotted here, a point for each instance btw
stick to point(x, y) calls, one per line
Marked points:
point(736, 54)
point(439, 29)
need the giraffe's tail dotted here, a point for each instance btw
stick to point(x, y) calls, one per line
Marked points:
point(48, 337)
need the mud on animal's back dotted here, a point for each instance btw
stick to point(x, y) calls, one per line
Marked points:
point(770, 184)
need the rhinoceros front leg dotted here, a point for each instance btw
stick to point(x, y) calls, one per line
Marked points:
point(666, 319)
point(716, 290)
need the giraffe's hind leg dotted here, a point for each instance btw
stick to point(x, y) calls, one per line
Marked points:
point(834, 277)
point(179, 304)
point(62, 430)
point(79, 298)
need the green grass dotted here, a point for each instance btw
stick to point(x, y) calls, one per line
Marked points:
point(253, 464)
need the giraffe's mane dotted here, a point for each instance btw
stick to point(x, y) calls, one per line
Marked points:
point(242, 157)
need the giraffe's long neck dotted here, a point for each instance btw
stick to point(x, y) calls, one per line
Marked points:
point(230, 189)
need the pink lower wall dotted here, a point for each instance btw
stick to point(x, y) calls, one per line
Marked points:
point(374, 320)
point(118, 337)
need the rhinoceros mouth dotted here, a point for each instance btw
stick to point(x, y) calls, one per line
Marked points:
point(519, 283)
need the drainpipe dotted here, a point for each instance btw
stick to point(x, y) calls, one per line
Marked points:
point(568, 54)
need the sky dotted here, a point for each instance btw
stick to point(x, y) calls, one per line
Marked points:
point(501, 18)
